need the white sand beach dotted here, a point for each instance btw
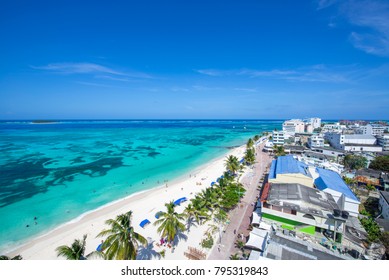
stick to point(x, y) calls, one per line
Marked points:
point(144, 206)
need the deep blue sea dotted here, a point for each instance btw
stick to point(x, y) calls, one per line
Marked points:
point(56, 172)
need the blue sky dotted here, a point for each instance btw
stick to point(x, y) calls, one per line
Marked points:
point(194, 59)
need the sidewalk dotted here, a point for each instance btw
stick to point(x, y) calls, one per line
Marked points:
point(240, 216)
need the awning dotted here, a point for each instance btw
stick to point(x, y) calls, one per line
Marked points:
point(259, 232)
point(257, 242)
point(144, 223)
point(265, 226)
point(256, 218)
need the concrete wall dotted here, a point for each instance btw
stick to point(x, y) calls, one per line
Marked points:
point(293, 178)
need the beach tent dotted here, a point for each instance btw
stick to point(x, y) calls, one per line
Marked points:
point(180, 200)
point(262, 225)
point(256, 219)
point(259, 232)
point(144, 223)
point(256, 242)
point(256, 256)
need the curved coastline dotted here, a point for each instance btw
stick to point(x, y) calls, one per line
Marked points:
point(90, 220)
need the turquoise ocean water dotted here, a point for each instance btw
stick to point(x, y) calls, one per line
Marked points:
point(56, 172)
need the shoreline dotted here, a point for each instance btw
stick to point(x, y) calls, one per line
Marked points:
point(92, 222)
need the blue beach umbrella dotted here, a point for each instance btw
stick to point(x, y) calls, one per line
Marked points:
point(180, 200)
point(144, 223)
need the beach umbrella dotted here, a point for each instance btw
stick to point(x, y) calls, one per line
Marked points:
point(158, 214)
point(144, 223)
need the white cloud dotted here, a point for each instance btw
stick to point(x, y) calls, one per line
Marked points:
point(314, 73)
point(89, 68)
point(370, 20)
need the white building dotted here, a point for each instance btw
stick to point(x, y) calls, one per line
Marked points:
point(372, 129)
point(353, 142)
point(316, 141)
point(335, 127)
point(383, 141)
point(315, 122)
point(278, 137)
point(384, 204)
point(291, 127)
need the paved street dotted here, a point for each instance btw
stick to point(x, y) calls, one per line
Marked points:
point(240, 216)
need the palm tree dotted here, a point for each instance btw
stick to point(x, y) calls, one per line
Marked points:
point(76, 251)
point(256, 138)
point(250, 156)
point(5, 258)
point(250, 143)
point(234, 257)
point(200, 213)
point(279, 150)
point(122, 241)
point(189, 213)
point(170, 222)
point(232, 164)
point(209, 198)
point(240, 244)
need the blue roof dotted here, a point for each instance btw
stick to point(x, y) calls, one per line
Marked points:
point(287, 165)
point(272, 171)
point(144, 222)
point(332, 180)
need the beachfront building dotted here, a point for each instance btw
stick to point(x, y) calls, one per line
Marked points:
point(288, 170)
point(291, 127)
point(372, 129)
point(300, 208)
point(316, 141)
point(285, 169)
point(384, 204)
point(383, 141)
point(278, 137)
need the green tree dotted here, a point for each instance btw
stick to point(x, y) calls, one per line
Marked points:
point(279, 150)
point(4, 258)
point(372, 229)
point(256, 138)
point(200, 212)
point(170, 223)
point(250, 143)
point(380, 163)
point(209, 198)
point(354, 161)
point(76, 251)
point(232, 164)
point(122, 241)
point(249, 156)
point(235, 257)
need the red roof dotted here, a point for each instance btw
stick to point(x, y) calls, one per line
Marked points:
point(265, 192)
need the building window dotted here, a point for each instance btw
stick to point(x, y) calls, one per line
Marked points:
point(293, 212)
